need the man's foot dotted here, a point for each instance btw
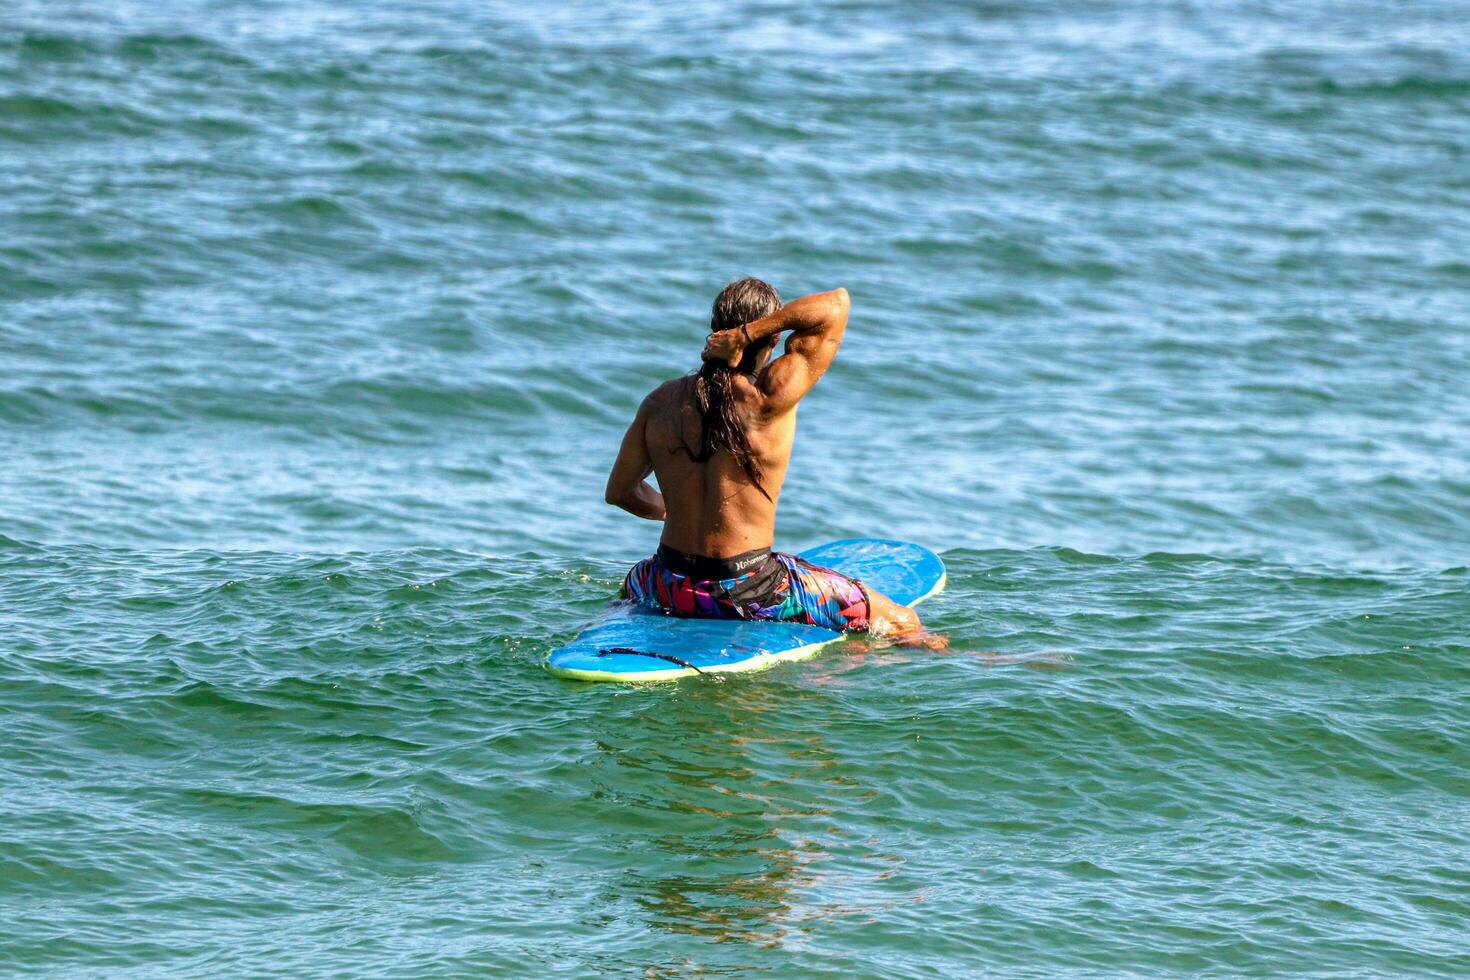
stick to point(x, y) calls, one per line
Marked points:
point(880, 638)
point(937, 642)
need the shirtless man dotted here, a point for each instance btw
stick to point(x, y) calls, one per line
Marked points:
point(719, 442)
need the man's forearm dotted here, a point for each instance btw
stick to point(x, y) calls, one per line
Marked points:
point(807, 314)
point(644, 502)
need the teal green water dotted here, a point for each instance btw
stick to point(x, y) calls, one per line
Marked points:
point(319, 325)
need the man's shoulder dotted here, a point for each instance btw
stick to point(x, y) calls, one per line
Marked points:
point(668, 393)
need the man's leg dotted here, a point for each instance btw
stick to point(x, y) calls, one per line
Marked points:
point(824, 597)
point(899, 623)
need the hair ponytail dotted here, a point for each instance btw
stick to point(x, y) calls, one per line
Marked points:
point(720, 428)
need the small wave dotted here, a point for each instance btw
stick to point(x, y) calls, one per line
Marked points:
point(1408, 88)
point(39, 107)
point(1073, 557)
point(154, 47)
point(38, 46)
point(375, 831)
point(40, 118)
point(310, 209)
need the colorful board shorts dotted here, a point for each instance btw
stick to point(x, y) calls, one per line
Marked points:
point(761, 584)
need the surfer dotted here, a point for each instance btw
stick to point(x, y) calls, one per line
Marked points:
point(719, 442)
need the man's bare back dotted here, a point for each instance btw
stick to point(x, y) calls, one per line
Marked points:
point(713, 508)
point(719, 494)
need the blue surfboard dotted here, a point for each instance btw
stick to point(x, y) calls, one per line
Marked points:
point(632, 644)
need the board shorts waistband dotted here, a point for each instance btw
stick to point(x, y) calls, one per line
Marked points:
point(705, 569)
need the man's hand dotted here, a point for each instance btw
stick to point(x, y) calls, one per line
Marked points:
point(726, 345)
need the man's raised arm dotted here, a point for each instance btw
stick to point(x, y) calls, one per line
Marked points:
point(816, 322)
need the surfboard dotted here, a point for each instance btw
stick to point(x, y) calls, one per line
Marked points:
point(634, 645)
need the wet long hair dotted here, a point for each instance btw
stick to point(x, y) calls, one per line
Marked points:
point(720, 430)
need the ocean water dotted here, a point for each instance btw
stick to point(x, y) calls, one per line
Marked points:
point(320, 323)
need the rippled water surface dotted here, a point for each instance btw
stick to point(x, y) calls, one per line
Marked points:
point(319, 324)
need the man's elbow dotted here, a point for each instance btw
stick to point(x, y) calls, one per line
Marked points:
point(616, 496)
